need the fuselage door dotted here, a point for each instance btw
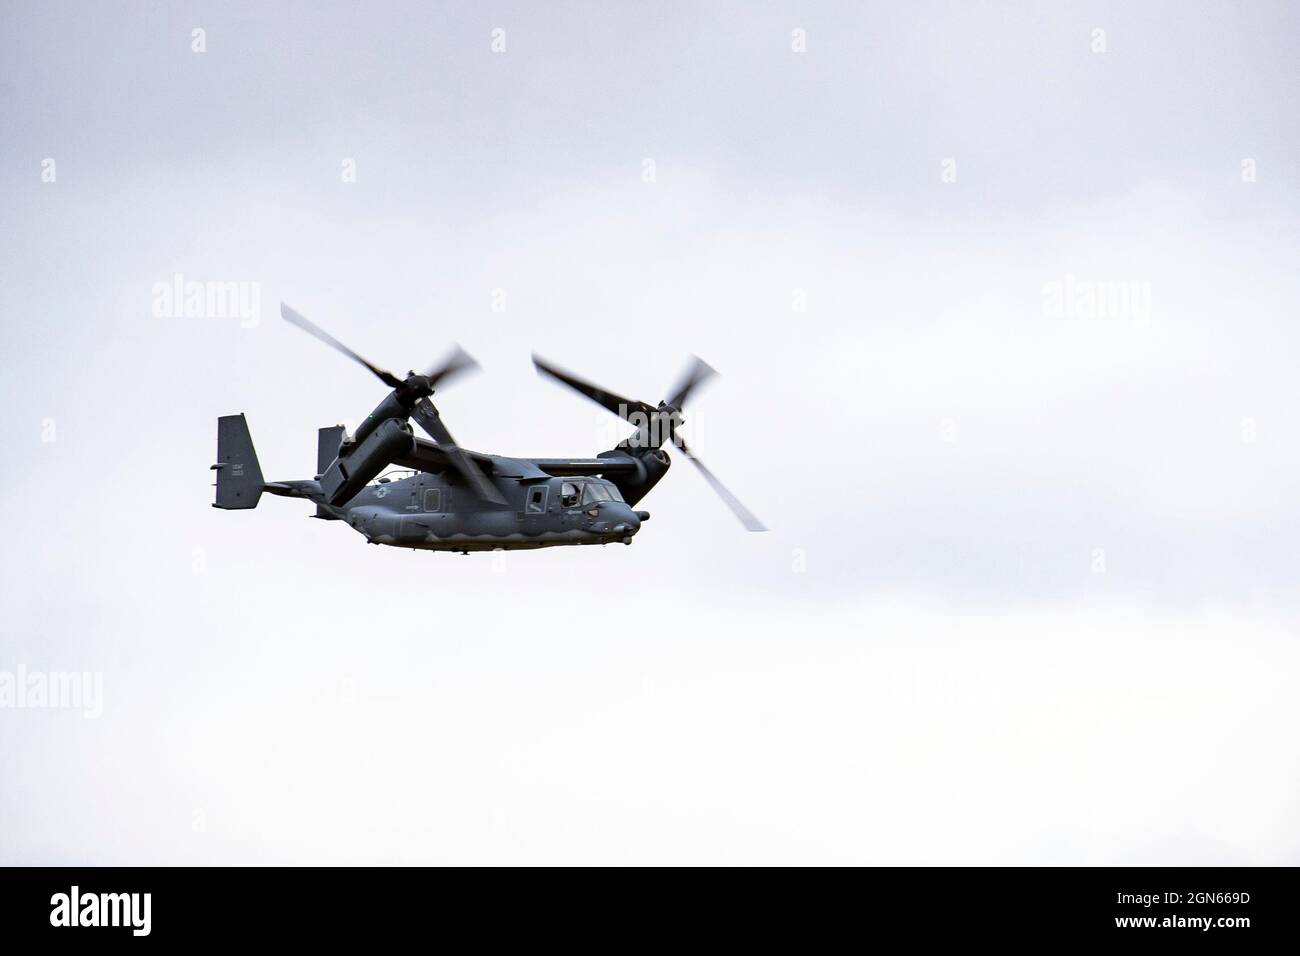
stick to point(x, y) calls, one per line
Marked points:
point(535, 501)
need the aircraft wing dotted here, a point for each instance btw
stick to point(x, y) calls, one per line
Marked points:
point(564, 467)
point(430, 456)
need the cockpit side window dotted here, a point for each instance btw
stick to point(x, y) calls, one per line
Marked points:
point(568, 495)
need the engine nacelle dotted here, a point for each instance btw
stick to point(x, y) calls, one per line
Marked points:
point(651, 465)
point(360, 462)
point(390, 408)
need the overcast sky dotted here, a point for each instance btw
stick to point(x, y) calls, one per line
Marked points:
point(1003, 296)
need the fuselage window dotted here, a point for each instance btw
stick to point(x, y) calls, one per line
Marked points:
point(568, 495)
point(433, 499)
point(537, 501)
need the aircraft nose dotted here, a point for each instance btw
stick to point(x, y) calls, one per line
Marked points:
point(627, 520)
point(618, 518)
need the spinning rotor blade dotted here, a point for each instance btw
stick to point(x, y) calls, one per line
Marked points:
point(696, 374)
point(418, 388)
point(746, 516)
point(623, 407)
point(427, 417)
point(456, 362)
point(294, 318)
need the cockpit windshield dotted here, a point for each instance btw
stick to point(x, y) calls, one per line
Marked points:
point(599, 491)
point(593, 492)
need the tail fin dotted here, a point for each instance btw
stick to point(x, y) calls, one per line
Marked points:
point(328, 442)
point(239, 477)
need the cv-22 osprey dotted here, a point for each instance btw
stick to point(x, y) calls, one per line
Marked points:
point(448, 498)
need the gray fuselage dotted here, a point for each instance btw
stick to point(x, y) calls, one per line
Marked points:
point(426, 511)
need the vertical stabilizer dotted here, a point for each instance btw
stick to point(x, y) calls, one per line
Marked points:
point(239, 476)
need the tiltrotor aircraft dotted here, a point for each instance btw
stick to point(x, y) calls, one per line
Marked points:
point(449, 498)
